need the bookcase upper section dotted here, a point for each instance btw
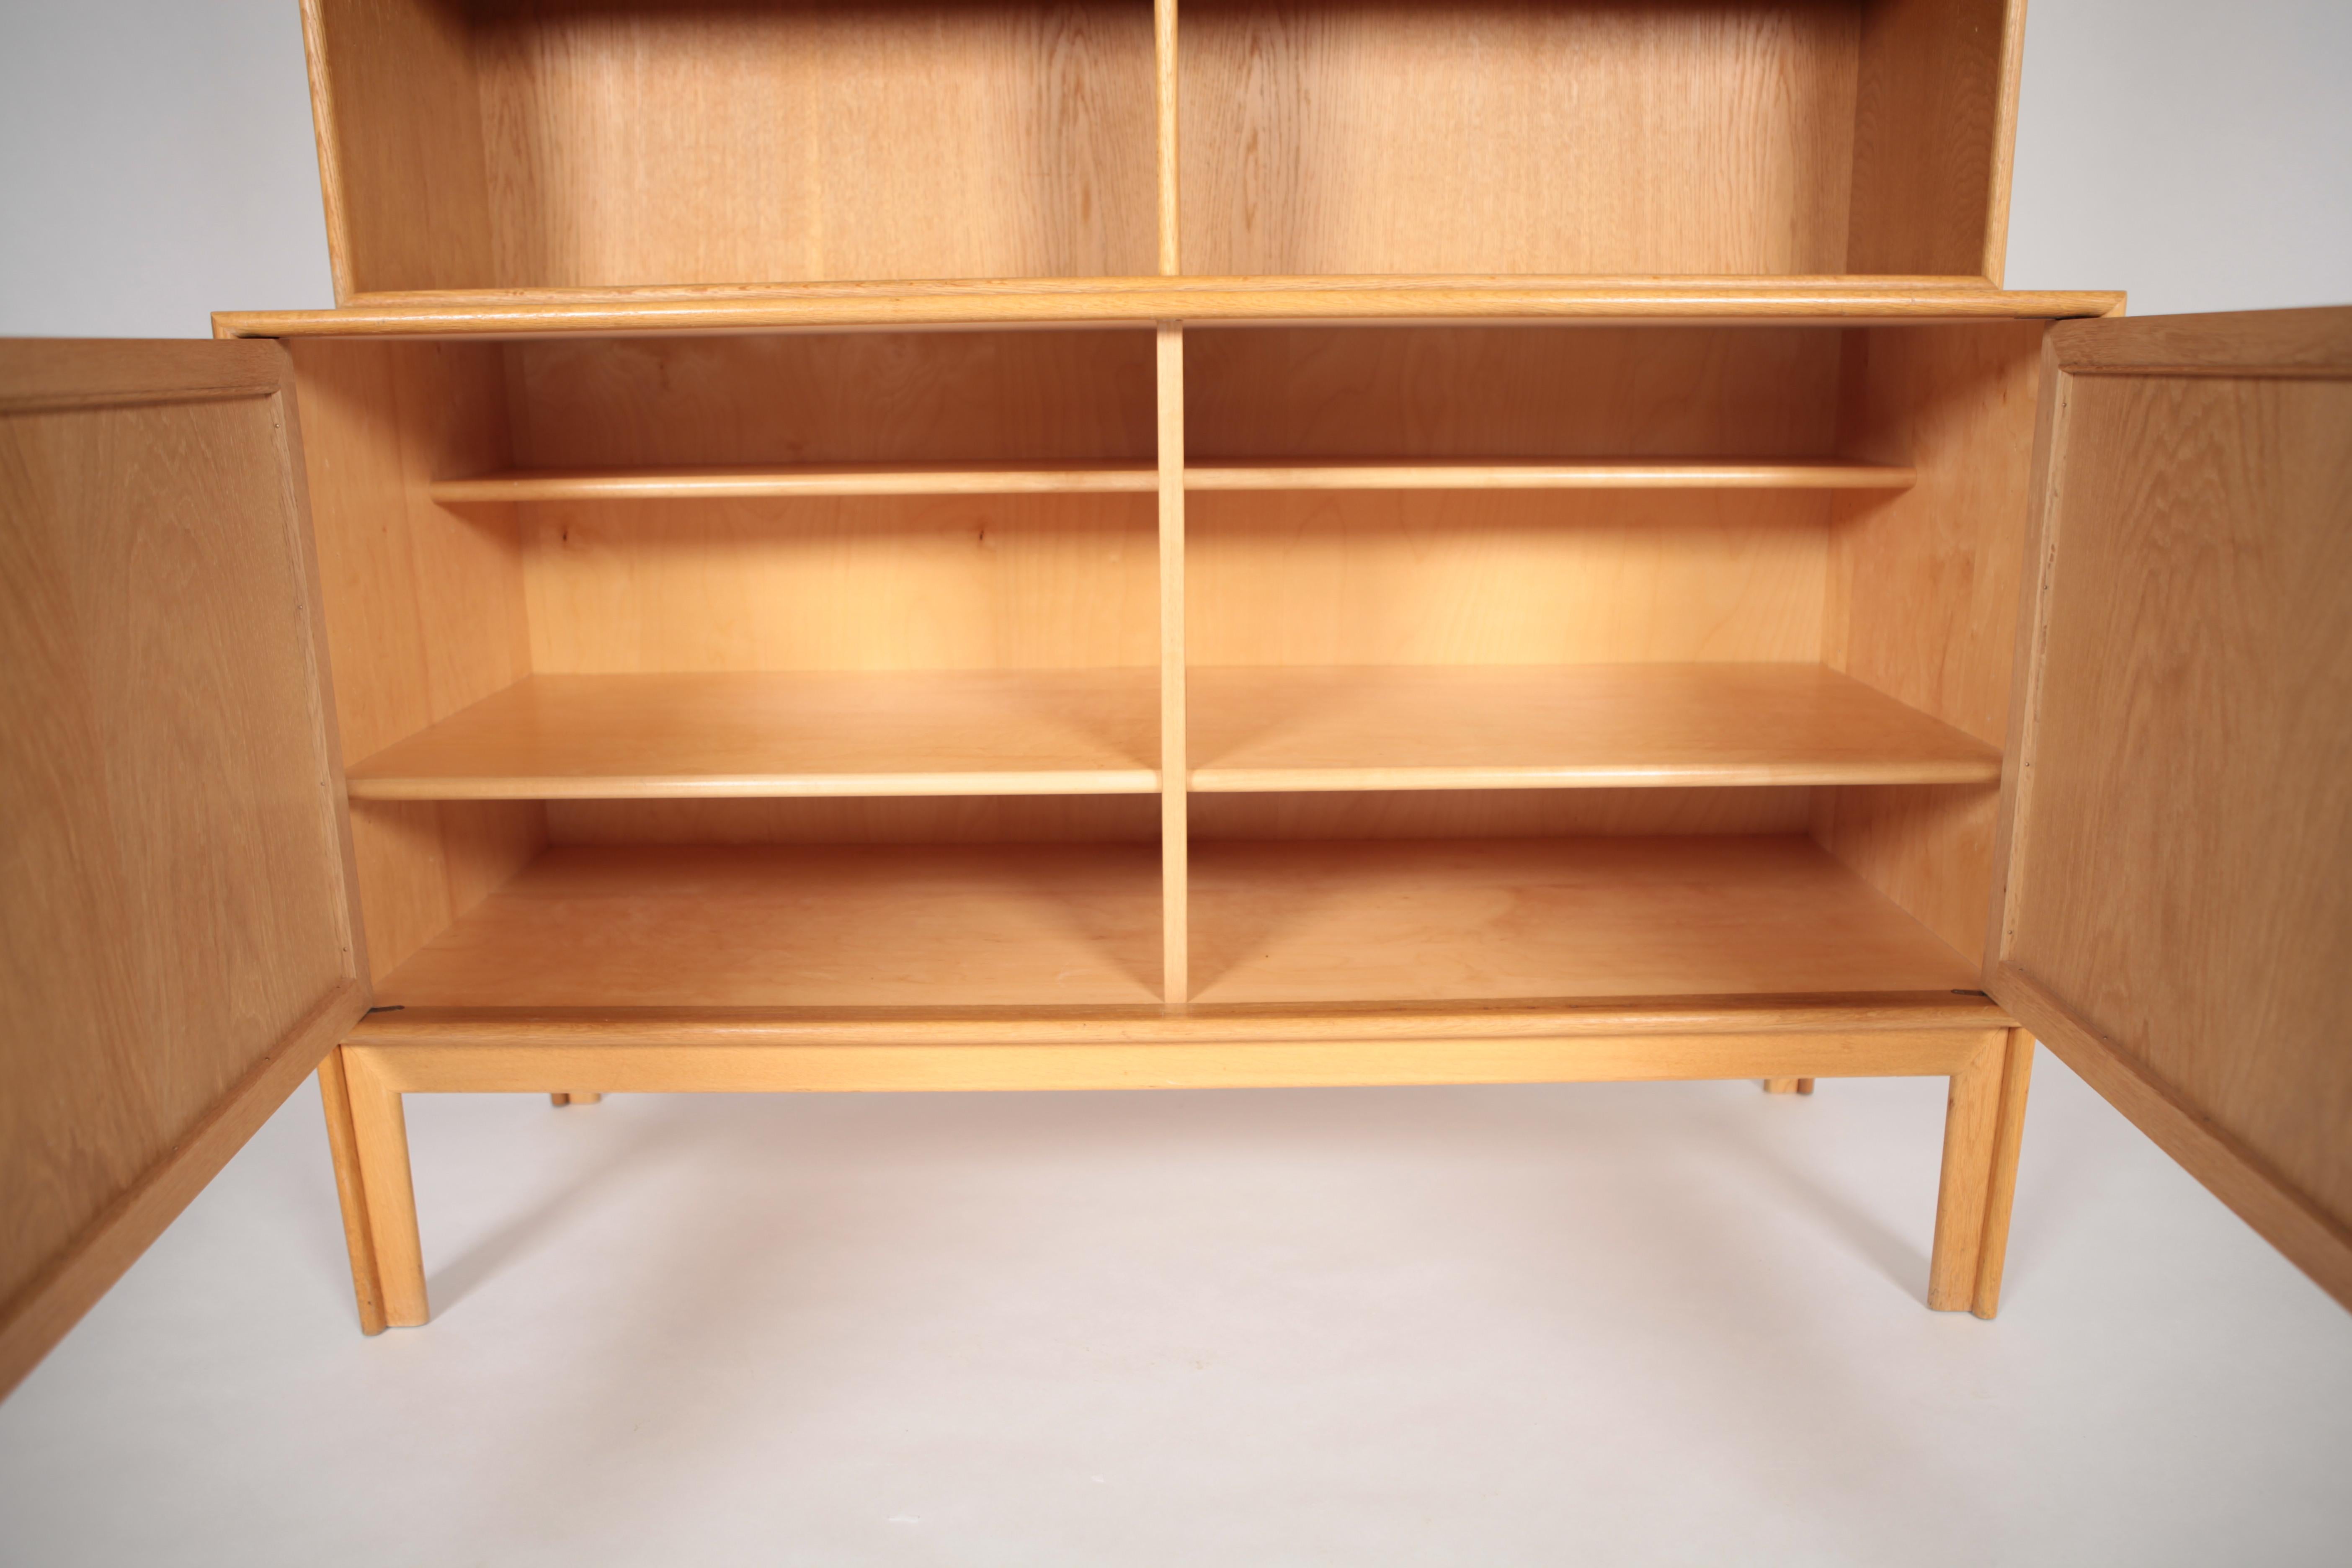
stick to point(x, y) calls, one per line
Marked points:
point(493, 145)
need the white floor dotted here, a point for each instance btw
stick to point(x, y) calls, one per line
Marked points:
point(1609, 1324)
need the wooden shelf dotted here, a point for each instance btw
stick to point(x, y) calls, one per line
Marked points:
point(1077, 925)
point(580, 737)
point(1140, 302)
point(1099, 478)
point(822, 926)
point(1476, 919)
point(1554, 727)
point(807, 479)
point(1484, 474)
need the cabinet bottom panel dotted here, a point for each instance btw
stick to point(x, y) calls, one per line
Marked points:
point(1362, 924)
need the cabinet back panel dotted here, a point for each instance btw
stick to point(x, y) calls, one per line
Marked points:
point(845, 397)
point(865, 583)
point(1499, 577)
point(1368, 136)
point(637, 143)
point(423, 607)
point(1510, 391)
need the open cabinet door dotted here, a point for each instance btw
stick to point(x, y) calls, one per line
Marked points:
point(178, 941)
point(2175, 919)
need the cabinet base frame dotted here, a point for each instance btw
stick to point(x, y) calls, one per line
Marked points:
point(1987, 1059)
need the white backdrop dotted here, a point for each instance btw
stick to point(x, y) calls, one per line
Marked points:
point(157, 161)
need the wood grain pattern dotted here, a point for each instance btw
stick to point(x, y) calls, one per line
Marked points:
point(1972, 1128)
point(2000, 1193)
point(1175, 828)
point(809, 926)
point(646, 736)
point(1935, 123)
point(534, 1052)
point(1539, 138)
point(177, 941)
point(1505, 577)
point(1521, 727)
point(1500, 813)
point(1339, 474)
point(423, 607)
point(1301, 923)
point(2174, 912)
point(1923, 593)
point(747, 480)
point(1598, 393)
point(395, 100)
point(351, 1191)
point(1139, 301)
point(734, 143)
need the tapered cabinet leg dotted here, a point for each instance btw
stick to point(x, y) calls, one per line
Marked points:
point(1788, 1086)
point(2001, 1192)
point(381, 1139)
point(573, 1099)
point(343, 1142)
point(1971, 1126)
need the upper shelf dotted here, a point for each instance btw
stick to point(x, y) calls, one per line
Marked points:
point(1139, 302)
point(739, 481)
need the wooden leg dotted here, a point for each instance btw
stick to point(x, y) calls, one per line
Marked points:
point(573, 1099)
point(1972, 1122)
point(2001, 1189)
point(1788, 1086)
point(381, 1139)
point(343, 1142)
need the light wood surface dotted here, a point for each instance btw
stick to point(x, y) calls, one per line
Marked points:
point(809, 479)
point(1935, 123)
point(1516, 138)
point(2000, 1193)
point(1511, 577)
point(1175, 828)
point(1339, 474)
point(1923, 593)
point(648, 736)
point(1520, 727)
point(1298, 923)
point(350, 1191)
point(1973, 1127)
point(1280, 923)
point(379, 1140)
point(2174, 921)
point(1140, 300)
point(1167, 111)
point(810, 926)
point(178, 944)
point(1629, 813)
point(425, 609)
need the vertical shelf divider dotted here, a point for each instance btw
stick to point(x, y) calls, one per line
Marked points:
point(1163, 87)
point(1175, 772)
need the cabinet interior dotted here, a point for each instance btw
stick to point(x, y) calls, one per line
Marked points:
point(826, 669)
point(550, 144)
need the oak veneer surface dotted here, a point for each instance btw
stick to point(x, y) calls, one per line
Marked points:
point(807, 926)
point(176, 940)
point(1521, 727)
point(555, 315)
point(1500, 137)
point(743, 480)
point(1336, 921)
point(1079, 925)
point(1346, 474)
point(2183, 820)
point(1923, 593)
point(425, 609)
point(951, 732)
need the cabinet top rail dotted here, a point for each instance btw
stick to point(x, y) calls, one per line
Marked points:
point(1110, 301)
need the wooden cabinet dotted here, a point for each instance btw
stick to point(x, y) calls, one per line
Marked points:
point(1016, 545)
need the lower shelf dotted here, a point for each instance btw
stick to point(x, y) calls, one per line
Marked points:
point(1272, 924)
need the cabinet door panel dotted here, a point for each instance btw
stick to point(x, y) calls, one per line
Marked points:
point(178, 945)
point(2176, 918)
